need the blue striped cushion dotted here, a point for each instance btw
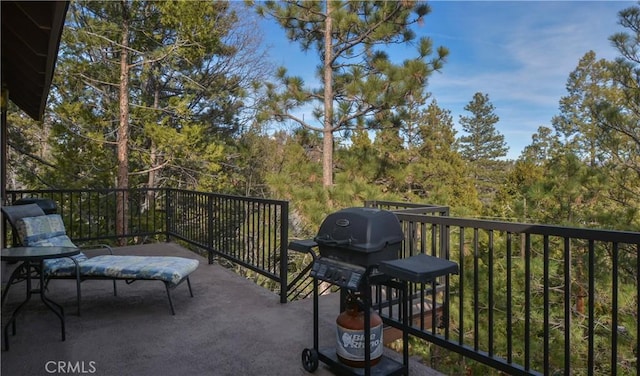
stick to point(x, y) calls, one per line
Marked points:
point(34, 231)
point(44, 231)
point(164, 268)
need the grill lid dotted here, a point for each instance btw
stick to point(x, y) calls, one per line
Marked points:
point(360, 229)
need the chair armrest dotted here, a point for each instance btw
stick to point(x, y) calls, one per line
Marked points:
point(96, 247)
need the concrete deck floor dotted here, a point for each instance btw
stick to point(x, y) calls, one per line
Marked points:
point(230, 327)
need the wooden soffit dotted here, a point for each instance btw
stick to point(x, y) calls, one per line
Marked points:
point(31, 32)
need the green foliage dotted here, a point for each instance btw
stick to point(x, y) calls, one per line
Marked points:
point(365, 86)
point(188, 94)
point(512, 265)
point(28, 152)
point(482, 146)
point(418, 161)
point(482, 141)
point(586, 172)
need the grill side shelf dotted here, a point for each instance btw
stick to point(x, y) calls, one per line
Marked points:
point(419, 268)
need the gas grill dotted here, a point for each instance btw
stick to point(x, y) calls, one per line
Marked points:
point(353, 240)
point(359, 247)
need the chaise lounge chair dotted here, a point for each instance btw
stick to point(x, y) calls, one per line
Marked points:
point(36, 229)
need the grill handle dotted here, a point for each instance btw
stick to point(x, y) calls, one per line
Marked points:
point(332, 242)
point(302, 246)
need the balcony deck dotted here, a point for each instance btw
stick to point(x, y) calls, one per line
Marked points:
point(230, 327)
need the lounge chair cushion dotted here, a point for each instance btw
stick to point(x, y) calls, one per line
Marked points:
point(44, 231)
point(171, 270)
point(48, 230)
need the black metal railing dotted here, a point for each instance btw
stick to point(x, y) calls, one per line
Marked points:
point(301, 285)
point(249, 232)
point(529, 299)
point(91, 215)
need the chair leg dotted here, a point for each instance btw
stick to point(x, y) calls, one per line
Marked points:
point(78, 280)
point(189, 284)
point(15, 275)
point(166, 285)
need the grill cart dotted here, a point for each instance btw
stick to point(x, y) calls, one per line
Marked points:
point(359, 248)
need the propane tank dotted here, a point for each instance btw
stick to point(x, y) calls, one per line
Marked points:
point(350, 335)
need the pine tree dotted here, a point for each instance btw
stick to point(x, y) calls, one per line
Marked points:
point(576, 124)
point(443, 175)
point(512, 199)
point(191, 68)
point(596, 125)
point(358, 79)
point(619, 116)
point(482, 146)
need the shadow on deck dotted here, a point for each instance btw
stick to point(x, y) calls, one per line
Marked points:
point(230, 327)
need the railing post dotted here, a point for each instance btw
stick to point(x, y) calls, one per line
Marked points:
point(210, 223)
point(284, 251)
point(168, 214)
point(444, 236)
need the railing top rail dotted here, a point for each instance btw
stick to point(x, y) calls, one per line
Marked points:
point(107, 190)
point(629, 237)
point(78, 190)
point(233, 197)
point(405, 204)
point(423, 210)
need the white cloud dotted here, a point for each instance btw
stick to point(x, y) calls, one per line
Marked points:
point(520, 53)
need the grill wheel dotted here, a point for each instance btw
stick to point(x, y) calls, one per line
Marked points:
point(310, 360)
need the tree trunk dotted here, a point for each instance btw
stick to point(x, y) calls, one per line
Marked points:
point(327, 140)
point(123, 132)
point(327, 144)
point(151, 179)
point(153, 156)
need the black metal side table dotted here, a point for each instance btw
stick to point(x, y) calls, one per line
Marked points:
point(32, 259)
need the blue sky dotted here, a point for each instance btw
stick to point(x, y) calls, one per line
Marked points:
point(519, 53)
